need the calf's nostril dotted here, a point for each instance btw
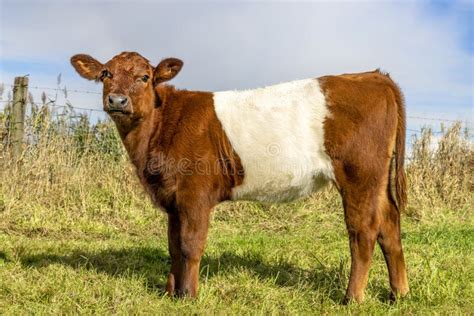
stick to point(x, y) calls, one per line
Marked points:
point(111, 100)
point(124, 101)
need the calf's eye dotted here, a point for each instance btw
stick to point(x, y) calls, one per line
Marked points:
point(145, 78)
point(105, 74)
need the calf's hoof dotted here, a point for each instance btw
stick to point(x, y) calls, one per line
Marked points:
point(353, 298)
point(174, 291)
point(398, 294)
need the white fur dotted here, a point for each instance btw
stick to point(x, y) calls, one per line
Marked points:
point(278, 133)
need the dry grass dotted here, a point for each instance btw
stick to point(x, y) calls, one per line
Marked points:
point(440, 174)
point(71, 209)
point(71, 165)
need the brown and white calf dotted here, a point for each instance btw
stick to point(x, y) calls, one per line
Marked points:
point(195, 149)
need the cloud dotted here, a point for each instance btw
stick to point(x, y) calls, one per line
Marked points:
point(236, 46)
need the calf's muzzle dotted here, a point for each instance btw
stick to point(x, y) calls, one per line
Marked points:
point(117, 102)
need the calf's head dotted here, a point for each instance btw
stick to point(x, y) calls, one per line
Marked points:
point(128, 83)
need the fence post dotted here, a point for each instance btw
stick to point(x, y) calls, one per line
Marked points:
point(17, 122)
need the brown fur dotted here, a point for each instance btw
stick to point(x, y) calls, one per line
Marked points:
point(181, 154)
point(366, 126)
point(187, 164)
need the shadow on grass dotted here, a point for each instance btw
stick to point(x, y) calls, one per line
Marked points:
point(3, 256)
point(153, 264)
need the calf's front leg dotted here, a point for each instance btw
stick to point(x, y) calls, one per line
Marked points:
point(187, 234)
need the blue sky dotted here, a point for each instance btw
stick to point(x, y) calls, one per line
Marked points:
point(426, 46)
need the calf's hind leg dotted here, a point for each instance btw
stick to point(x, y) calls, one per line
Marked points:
point(390, 241)
point(371, 215)
point(362, 223)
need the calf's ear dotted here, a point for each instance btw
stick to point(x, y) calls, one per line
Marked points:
point(86, 66)
point(166, 70)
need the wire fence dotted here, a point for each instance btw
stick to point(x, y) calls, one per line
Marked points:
point(58, 89)
point(67, 111)
point(90, 110)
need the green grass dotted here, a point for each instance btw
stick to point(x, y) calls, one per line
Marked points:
point(78, 236)
point(284, 259)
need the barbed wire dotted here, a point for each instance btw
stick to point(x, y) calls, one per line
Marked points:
point(418, 131)
point(65, 88)
point(58, 89)
point(437, 119)
point(70, 107)
point(54, 104)
point(99, 110)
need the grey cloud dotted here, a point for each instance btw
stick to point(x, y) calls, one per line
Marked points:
point(235, 46)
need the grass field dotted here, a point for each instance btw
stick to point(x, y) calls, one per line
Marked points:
point(259, 259)
point(77, 235)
